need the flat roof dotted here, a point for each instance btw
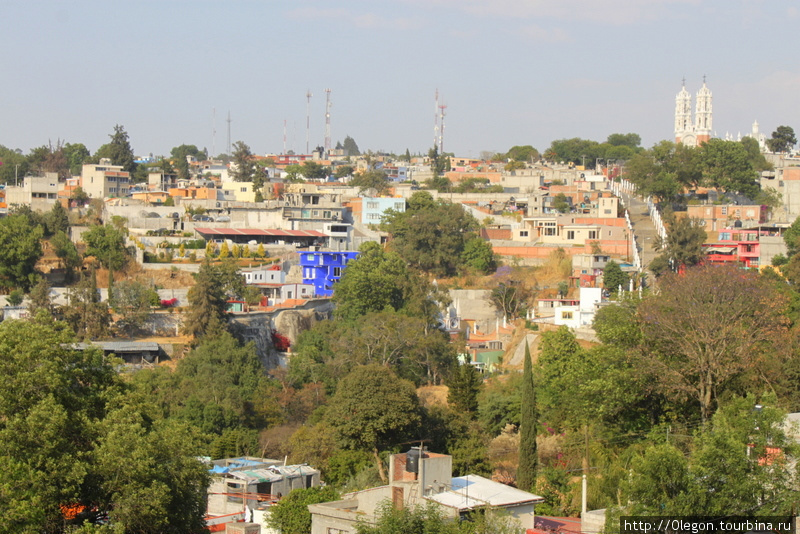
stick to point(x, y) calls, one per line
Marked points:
point(257, 232)
point(473, 491)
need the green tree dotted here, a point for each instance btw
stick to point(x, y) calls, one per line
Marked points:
point(514, 165)
point(107, 244)
point(131, 300)
point(52, 399)
point(614, 277)
point(630, 140)
point(243, 166)
point(85, 313)
point(707, 328)
point(561, 204)
point(40, 298)
point(440, 163)
point(56, 220)
point(118, 150)
point(372, 410)
point(683, 245)
point(180, 155)
point(291, 516)
point(782, 140)
point(372, 282)
point(528, 454)
point(20, 249)
point(140, 496)
point(67, 252)
point(293, 172)
point(374, 179)
point(430, 234)
point(479, 255)
point(350, 146)
point(524, 153)
point(726, 165)
point(208, 302)
point(463, 388)
point(77, 154)
point(343, 170)
point(312, 170)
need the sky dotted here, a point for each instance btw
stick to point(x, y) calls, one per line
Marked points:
point(511, 72)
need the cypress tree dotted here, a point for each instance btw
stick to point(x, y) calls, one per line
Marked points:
point(528, 459)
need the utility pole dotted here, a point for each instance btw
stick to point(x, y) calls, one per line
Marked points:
point(327, 121)
point(308, 119)
point(229, 132)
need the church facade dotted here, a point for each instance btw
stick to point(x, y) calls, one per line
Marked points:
point(689, 130)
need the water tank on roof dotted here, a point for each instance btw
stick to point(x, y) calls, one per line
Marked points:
point(412, 460)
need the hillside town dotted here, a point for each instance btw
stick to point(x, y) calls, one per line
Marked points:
point(345, 340)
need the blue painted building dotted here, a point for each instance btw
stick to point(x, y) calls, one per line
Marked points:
point(373, 208)
point(323, 269)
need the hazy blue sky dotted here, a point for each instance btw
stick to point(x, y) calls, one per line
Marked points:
point(510, 71)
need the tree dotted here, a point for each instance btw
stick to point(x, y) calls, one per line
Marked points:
point(782, 140)
point(726, 165)
point(77, 154)
point(67, 252)
point(107, 244)
point(181, 154)
point(708, 327)
point(350, 147)
point(131, 300)
point(243, 166)
point(683, 245)
point(479, 255)
point(85, 313)
point(375, 179)
point(290, 515)
point(343, 171)
point(40, 298)
point(139, 496)
point(524, 153)
point(430, 234)
point(119, 150)
point(20, 249)
point(514, 165)
point(52, 398)
point(561, 204)
point(56, 220)
point(373, 409)
point(208, 313)
point(528, 455)
point(440, 163)
point(312, 170)
point(372, 282)
point(613, 277)
point(463, 389)
point(631, 140)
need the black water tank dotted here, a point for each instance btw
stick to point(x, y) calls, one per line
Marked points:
point(412, 460)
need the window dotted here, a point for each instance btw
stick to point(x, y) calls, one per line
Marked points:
point(570, 234)
point(592, 234)
point(550, 231)
point(566, 315)
point(337, 271)
point(523, 233)
point(607, 212)
point(724, 210)
point(399, 205)
point(372, 205)
point(243, 189)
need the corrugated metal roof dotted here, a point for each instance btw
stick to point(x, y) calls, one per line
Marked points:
point(473, 491)
point(121, 346)
point(255, 232)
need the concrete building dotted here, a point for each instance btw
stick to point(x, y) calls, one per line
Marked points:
point(324, 269)
point(582, 314)
point(38, 192)
point(105, 180)
point(244, 483)
point(415, 479)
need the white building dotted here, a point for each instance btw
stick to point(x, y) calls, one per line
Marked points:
point(582, 314)
point(38, 192)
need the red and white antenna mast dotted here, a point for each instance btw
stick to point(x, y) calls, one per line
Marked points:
point(327, 120)
point(308, 118)
point(442, 107)
point(436, 120)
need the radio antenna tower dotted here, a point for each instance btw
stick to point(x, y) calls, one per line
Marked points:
point(327, 120)
point(436, 120)
point(229, 132)
point(308, 119)
point(442, 107)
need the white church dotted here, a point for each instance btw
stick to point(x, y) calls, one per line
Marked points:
point(694, 131)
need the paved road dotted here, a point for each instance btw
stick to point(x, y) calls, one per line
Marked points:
point(643, 228)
